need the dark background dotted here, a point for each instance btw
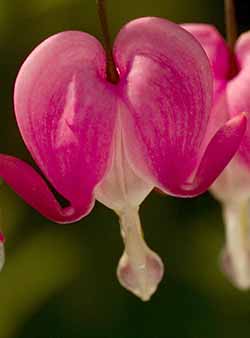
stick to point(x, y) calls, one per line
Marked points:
point(60, 281)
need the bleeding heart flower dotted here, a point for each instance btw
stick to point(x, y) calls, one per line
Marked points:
point(94, 140)
point(231, 97)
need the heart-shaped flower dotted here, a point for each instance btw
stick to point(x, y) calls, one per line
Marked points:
point(93, 139)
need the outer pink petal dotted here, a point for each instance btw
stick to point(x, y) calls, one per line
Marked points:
point(216, 50)
point(238, 91)
point(167, 88)
point(219, 152)
point(65, 110)
point(28, 184)
point(219, 56)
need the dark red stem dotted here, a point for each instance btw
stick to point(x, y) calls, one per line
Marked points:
point(112, 74)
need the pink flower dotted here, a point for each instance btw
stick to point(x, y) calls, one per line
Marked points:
point(231, 97)
point(115, 143)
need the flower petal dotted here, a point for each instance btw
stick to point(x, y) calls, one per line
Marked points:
point(238, 93)
point(242, 48)
point(167, 87)
point(216, 50)
point(236, 256)
point(234, 182)
point(140, 269)
point(121, 187)
point(219, 57)
point(28, 184)
point(66, 112)
point(219, 152)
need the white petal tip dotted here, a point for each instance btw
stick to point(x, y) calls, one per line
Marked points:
point(238, 274)
point(141, 280)
point(140, 270)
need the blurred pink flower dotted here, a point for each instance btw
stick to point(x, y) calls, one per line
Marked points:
point(94, 140)
point(2, 254)
point(231, 71)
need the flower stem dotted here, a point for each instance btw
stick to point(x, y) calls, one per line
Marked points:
point(231, 24)
point(112, 74)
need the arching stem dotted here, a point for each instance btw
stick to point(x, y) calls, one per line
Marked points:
point(112, 74)
point(231, 32)
point(231, 24)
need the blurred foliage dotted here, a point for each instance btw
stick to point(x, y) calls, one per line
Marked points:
point(60, 281)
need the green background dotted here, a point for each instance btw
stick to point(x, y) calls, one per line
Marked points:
point(59, 281)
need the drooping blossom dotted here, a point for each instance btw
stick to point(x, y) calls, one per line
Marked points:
point(94, 140)
point(231, 97)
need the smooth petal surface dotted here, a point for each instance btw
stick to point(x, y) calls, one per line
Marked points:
point(216, 50)
point(219, 57)
point(232, 94)
point(238, 93)
point(217, 155)
point(65, 110)
point(167, 88)
point(28, 184)
point(122, 187)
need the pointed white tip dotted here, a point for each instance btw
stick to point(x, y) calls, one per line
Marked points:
point(238, 271)
point(142, 280)
point(140, 270)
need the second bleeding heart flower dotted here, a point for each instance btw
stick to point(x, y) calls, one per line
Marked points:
point(231, 69)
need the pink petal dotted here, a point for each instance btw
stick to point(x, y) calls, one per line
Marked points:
point(2, 238)
point(242, 48)
point(66, 111)
point(216, 50)
point(28, 184)
point(238, 92)
point(219, 152)
point(167, 89)
point(218, 54)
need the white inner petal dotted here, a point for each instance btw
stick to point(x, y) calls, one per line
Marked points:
point(233, 184)
point(237, 251)
point(121, 186)
point(232, 190)
point(140, 269)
